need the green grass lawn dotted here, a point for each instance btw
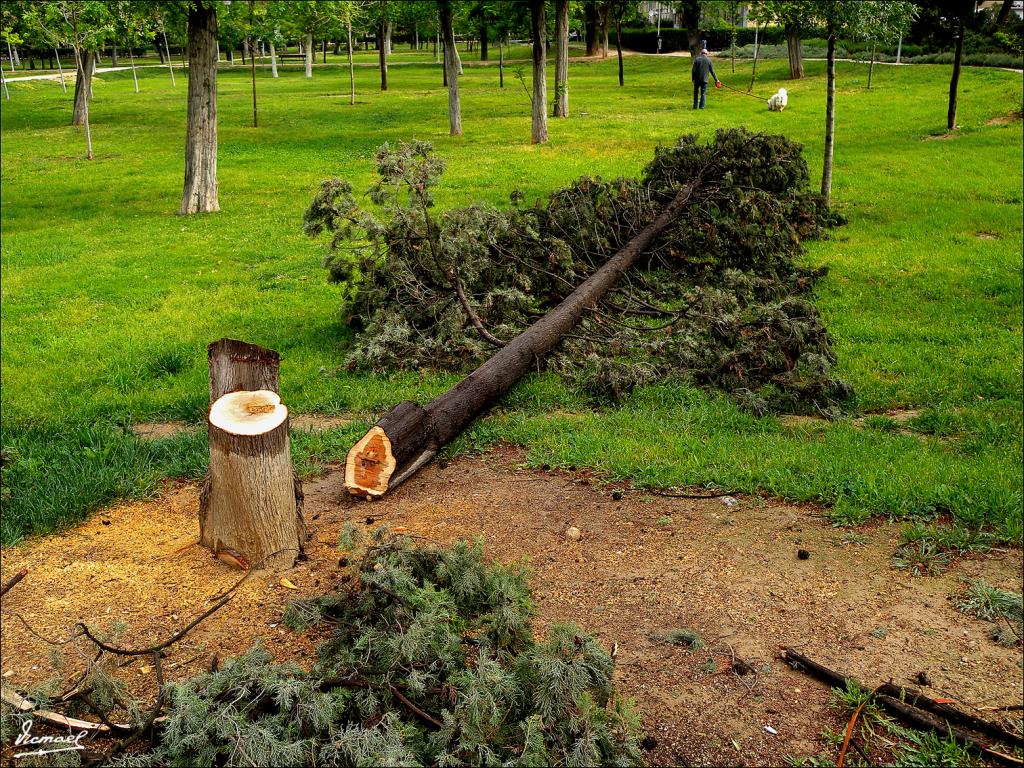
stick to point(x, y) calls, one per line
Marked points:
point(109, 299)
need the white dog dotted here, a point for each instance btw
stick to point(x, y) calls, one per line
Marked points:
point(778, 101)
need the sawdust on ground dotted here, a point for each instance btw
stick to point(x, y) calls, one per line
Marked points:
point(644, 566)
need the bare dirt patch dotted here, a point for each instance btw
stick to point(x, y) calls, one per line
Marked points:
point(1007, 119)
point(644, 566)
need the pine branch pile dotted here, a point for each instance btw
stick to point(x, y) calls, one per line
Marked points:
point(431, 661)
point(719, 301)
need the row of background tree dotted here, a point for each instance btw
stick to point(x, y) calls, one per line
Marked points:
point(257, 27)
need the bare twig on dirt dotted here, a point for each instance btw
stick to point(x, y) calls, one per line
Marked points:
point(13, 580)
point(159, 646)
point(673, 495)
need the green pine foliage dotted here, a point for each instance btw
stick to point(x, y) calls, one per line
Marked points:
point(719, 299)
point(431, 661)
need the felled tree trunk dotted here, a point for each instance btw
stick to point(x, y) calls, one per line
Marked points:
point(408, 436)
point(250, 509)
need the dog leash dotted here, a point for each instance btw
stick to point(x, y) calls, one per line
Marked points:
point(744, 93)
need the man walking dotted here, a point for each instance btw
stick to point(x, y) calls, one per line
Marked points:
point(699, 73)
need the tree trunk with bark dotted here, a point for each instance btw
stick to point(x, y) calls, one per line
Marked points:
point(1004, 12)
point(796, 57)
point(309, 55)
point(273, 59)
point(871, 66)
point(954, 81)
point(351, 67)
point(590, 26)
point(604, 13)
point(690, 11)
point(830, 120)
point(84, 73)
point(85, 64)
point(539, 28)
point(501, 65)
point(451, 71)
point(753, 68)
point(561, 58)
point(113, 56)
point(250, 504)
point(200, 193)
point(483, 41)
point(382, 54)
point(618, 47)
point(409, 435)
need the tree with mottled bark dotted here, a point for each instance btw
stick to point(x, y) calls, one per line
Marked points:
point(561, 58)
point(539, 31)
point(444, 8)
point(82, 26)
point(200, 191)
point(793, 16)
point(688, 15)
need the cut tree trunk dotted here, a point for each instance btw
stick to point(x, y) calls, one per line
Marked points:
point(85, 65)
point(539, 30)
point(200, 192)
point(409, 435)
point(561, 58)
point(250, 511)
point(451, 71)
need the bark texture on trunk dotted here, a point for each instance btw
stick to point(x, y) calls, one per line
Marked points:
point(618, 48)
point(605, 12)
point(250, 507)
point(871, 66)
point(308, 51)
point(86, 95)
point(483, 41)
point(351, 68)
point(795, 51)
point(235, 365)
point(382, 55)
point(200, 193)
point(561, 58)
point(830, 121)
point(539, 29)
point(273, 59)
point(690, 11)
point(753, 68)
point(85, 66)
point(590, 26)
point(451, 71)
point(408, 435)
point(954, 81)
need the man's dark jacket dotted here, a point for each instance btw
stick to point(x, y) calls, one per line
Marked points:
point(702, 67)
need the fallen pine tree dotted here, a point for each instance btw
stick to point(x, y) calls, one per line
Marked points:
point(688, 273)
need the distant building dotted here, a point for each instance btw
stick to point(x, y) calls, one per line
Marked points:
point(1017, 6)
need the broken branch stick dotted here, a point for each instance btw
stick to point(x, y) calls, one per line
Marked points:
point(13, 580)
point(905, 712)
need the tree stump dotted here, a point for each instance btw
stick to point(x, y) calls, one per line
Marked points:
point(250, 511)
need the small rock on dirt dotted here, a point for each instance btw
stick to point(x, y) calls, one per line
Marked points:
point(803, 554)
point(572, 533)
point(730, 501)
